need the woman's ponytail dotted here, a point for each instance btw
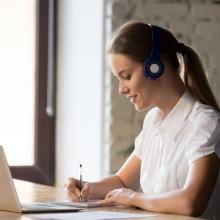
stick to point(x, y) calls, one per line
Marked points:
point(195, 78)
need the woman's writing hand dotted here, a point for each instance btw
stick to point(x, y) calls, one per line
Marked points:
point(73, 190)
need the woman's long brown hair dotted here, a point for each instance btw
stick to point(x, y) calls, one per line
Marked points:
point(134, 39)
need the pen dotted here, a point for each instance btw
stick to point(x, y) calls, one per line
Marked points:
point(80, 181)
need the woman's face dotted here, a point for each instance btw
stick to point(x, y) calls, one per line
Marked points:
point(132, 82)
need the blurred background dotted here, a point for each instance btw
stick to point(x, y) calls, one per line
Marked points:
point(59, 102)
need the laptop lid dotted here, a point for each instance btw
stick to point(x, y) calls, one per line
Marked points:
point(9, 200)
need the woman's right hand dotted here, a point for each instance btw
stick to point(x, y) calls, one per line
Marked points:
point(73, 190)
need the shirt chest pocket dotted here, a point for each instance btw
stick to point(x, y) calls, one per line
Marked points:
point(166, 179)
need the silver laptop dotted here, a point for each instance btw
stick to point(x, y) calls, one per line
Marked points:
point(9, 200)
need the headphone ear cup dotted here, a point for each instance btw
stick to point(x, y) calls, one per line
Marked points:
point(153, 69)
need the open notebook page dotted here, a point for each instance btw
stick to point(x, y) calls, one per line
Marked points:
point(87, 204)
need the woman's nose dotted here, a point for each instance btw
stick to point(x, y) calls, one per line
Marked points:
point(123, 90)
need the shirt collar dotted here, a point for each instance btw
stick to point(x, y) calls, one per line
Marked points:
point(175, 118)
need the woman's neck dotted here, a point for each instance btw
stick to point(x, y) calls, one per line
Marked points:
point(170, 96)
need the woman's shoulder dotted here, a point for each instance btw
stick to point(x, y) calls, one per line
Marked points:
point(202, 112)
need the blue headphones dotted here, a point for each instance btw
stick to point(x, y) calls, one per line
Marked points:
point(153, 67)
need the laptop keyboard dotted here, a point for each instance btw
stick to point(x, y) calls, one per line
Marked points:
point(42, 206)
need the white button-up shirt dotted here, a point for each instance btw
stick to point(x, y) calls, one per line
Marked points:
point(167, 147)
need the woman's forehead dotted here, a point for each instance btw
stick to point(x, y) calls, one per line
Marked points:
point(121, 60)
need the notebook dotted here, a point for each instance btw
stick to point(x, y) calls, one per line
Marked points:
point(87, 204)
point(9, 200)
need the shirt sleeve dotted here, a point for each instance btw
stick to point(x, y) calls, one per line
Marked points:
point(204, 138)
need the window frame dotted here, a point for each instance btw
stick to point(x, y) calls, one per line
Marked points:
point(43, 170)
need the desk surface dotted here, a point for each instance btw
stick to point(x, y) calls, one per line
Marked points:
point(30, 192)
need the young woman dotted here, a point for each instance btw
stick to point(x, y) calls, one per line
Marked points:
point(174, 160)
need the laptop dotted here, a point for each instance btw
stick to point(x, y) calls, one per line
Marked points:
point(9, 200)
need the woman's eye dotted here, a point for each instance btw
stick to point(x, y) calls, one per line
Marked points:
point(126, 76)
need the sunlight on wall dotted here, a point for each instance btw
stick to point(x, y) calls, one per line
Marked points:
point(79, 94)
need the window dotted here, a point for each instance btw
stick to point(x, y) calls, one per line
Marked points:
point(27, 87)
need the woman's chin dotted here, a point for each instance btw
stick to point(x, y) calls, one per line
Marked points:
point(139, 108)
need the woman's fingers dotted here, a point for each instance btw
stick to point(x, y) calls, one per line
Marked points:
point(113, 193)
point(73, 191)
point(72, 196)
point(108, 201)
point(118, 196)
point(109, 195)
point(71, 183)
point(85, 191)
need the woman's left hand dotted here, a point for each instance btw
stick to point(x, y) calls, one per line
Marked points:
point(121, 196)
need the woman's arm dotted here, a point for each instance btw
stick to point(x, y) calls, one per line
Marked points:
point(191, 200)
point(128, 176)
point(99, 189)
point(130, 172)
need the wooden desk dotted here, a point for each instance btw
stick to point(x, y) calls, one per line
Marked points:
point(30, 192)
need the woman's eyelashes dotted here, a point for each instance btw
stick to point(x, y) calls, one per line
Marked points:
point(125, 76)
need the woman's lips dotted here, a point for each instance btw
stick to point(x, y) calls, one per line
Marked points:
point(133, 99)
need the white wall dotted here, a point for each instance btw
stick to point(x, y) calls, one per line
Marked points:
point(79, 89)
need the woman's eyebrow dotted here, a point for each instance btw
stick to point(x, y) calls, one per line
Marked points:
point(122, 71)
